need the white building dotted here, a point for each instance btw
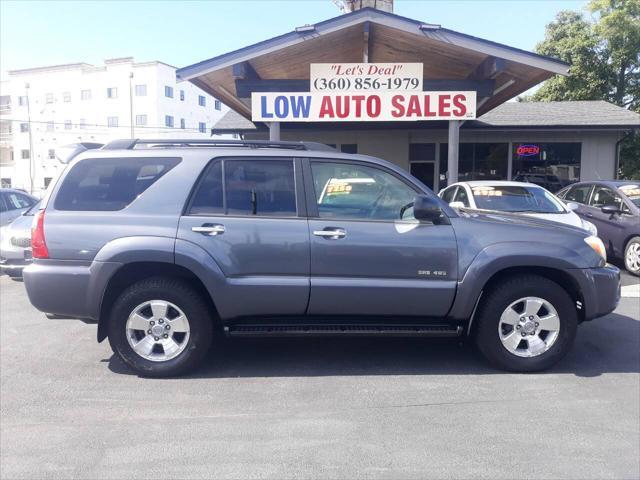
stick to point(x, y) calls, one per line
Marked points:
point(47, 107)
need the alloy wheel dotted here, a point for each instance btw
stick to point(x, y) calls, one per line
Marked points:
point(529, 327)
point(632, 258)
point(157, 330)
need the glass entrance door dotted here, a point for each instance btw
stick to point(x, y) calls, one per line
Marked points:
point(426, 173)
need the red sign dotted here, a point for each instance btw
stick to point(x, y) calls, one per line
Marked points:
point(527, 150)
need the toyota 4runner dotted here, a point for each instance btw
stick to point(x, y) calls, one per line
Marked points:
point(165, 243)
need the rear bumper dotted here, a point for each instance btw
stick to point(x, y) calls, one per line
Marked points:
point(67, 288)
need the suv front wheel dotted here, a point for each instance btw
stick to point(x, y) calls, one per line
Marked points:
point(526, 324)
point(160, 327)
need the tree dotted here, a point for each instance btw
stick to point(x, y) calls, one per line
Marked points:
point(604, 53)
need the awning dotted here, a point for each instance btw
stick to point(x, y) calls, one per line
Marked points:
point(452, 60)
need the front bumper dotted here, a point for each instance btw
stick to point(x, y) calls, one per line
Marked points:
point(600, 290)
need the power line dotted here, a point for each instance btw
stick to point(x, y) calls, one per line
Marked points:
point(101, 125)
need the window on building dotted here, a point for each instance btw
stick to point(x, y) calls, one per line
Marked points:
point(476, 161)
point(168, 121)
point(262, 188)
point(83, 123)
point(112, 92)
point(5, 182)
point(217, 104)
point(48, 98)
point(202, 127)
point(422, 158)
point(109, 184)
point(67, 125)
point(22, 101)
point(202, 101)
point(349, 148)
point(141, 120)
point(51, 154)
point(182, 123)
point(182, 95)
point(141, 90)
point(47, 181)
point(112, 121)
point(550, 165)
point(24, 127)
point(168, 91)
point(50, 126)
point(25, 154)
point(85, 94)
point(66, 97)
point(350, 191)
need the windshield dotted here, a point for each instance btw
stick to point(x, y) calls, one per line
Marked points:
point(513, 198)
point(632, 192)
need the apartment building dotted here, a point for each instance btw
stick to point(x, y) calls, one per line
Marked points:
point(47, 107)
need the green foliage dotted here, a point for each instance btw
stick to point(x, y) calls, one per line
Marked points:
point(604, 53)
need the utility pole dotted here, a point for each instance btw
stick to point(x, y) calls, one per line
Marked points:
point(26, 87)
point(131, 102)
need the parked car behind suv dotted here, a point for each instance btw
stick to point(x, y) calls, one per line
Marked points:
point(15, 243)
point(14, 203)
point(514, 197)
point(614, 207)
point(165, 243)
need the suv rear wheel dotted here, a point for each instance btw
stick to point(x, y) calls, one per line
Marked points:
point(526, 324)
point(160, 327)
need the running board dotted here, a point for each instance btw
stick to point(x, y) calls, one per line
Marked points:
point(342, 330)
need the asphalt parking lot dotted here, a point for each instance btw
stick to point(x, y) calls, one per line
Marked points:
point(331, 408)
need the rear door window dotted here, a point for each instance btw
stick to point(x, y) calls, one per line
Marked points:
point(109, 184)
point(247, 187)
point(447, 195)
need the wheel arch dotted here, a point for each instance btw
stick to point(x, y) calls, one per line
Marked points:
point(133, 272)
point(559, 276)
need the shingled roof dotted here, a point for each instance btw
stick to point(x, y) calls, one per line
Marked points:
point(587, 114)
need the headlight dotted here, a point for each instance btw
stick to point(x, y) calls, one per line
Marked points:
point(597, 245)
point(590, 227)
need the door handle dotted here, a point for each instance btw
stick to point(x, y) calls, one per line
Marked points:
point(209, 229)
point(331, 233)
point(590, 215)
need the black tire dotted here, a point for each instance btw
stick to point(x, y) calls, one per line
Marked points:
point(498, 299)
point(633, 243)
point(179, 293)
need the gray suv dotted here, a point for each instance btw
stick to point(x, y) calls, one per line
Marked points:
point(167, 243)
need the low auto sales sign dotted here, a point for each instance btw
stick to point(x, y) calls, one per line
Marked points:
point(363, 93)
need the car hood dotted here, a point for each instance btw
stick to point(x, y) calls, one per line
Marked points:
point(568, 218)
point(527, 220)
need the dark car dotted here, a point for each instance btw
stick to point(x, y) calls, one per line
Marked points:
point(614, 208)
point(165, 243)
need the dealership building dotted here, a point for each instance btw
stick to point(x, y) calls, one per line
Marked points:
point(552, 144)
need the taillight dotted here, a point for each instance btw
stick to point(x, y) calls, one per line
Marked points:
point(38, 245)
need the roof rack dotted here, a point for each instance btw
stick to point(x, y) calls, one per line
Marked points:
point(130, 144)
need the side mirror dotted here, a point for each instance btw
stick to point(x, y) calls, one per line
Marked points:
point(426, 208)
point(572, 206)
point(456, 205)
point(610, 209)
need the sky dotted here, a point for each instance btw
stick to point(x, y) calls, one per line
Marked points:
point(180, 33)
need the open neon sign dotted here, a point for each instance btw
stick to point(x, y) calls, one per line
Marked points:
point(527, 150)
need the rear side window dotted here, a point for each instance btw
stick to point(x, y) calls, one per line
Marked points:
point(250, 187)
point(16, 201)
point(109, 184)
point(447, 195)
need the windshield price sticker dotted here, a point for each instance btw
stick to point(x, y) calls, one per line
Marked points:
point(357, 77)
